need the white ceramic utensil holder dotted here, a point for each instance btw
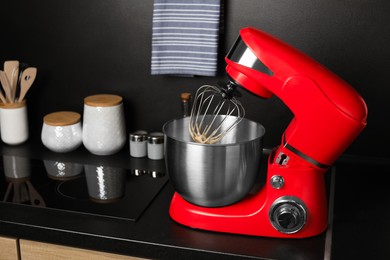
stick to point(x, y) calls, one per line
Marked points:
point(104, 130)
point(61, 131)
point(14, 123)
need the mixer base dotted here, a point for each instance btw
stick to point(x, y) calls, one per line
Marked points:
point(304, 193)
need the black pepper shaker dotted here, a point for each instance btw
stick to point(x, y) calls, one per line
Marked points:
point(185, 104)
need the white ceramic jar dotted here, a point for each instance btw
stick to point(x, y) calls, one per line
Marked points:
point(61, 131)
point(104, 129)
point(14, 123)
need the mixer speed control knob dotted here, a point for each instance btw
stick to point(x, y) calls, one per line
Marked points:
point(288, 214)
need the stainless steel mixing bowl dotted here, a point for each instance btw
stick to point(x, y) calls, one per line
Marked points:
point(213, 175)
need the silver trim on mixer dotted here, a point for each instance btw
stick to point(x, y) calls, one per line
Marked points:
point(241, 54)
point(288, 214)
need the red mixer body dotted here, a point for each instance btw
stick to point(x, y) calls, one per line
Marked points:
point(251, 216)
point(328, 115)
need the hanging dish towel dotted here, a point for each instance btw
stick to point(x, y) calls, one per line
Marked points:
point(185, 37)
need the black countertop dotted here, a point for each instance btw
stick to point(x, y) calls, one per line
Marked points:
point(362, 199)
point(155, 235)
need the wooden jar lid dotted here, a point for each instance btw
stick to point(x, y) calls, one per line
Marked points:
point(62, 118)
point(103, 100)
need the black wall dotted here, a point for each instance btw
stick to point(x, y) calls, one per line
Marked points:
point(84, 47)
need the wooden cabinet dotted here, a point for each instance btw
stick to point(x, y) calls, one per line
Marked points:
point(14, 249)
point(31, 250)
point(9, 248)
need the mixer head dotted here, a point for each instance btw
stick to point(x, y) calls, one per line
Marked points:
point(206, 124)
point(318, 98)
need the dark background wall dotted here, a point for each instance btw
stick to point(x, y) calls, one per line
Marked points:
point(84, 47)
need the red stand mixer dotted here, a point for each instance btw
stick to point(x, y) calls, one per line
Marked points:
point(328, 116)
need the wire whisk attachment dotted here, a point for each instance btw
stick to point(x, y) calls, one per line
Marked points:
point(215, 112)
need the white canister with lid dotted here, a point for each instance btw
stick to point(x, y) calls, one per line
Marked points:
point(156, 146)
point(104, 130)
point(61, 131)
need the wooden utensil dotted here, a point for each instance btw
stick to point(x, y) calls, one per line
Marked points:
point(6, 86)
point(26, 81)
point(16, 198)
point(35, 198)
point(11, 69)
point(2, 97)
point(7, 193)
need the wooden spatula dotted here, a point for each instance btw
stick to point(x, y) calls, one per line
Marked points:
point(26, 81)
point(6, 86)
point(11, 69)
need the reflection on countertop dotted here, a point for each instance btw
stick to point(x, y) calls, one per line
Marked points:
point(97, 189)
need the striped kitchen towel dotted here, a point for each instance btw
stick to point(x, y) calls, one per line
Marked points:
point(185, 37)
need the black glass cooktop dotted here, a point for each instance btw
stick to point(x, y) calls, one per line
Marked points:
point(80, 188)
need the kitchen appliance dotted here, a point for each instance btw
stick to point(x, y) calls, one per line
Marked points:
point(213, 175)
point(328, 115)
